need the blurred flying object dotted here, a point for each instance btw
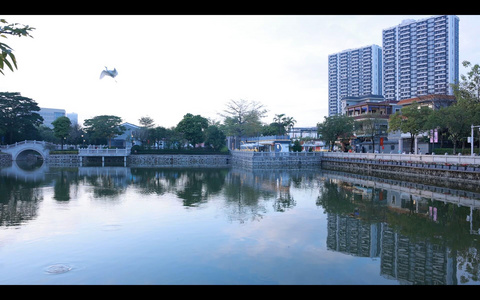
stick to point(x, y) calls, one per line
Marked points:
point(111, 73)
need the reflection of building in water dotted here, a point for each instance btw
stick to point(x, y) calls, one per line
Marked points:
point(401, 258)
point(352, 236)
point(409, 197)
point(409, 262)
point(414, 262)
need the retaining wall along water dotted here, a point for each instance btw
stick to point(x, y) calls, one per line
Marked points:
point(262, 160)
point(451, 167)
point(183, 160)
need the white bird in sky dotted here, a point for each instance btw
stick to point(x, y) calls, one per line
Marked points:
point(111, 73)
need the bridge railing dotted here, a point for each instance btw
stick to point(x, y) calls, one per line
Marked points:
point(103, 152)
point(27, 142)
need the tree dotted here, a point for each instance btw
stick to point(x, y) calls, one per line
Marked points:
point(14, 29)
point(282, 124)
point(104, 126)
point(18, 117)
point(193, 128)
point(173, 138)
point(372, 126)
point(215, 137)
point(452, 118)
point(337, 127)
point(467, 94)
point(144, 133)
point(61, 128)
point(146, 122)
point(297, 147)
point(157, 134)
point(46, 134)
point(76, 135)
point(469, 87)
point(243, 118)
point(411, 119)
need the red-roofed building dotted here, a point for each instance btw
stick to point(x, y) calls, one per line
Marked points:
point(432, 101)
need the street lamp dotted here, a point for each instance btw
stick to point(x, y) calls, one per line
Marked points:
point(471, 138)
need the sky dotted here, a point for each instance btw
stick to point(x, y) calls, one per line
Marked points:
point(171, 65)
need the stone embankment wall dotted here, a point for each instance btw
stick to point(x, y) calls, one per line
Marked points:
point(63, 160)
point(266, 160)
point(5, 159)
point(178, 160)
point(449, 167)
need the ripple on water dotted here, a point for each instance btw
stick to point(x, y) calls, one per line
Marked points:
point(111, 227)
point(58, 269)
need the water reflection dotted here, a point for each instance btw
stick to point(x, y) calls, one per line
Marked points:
point(420, 233)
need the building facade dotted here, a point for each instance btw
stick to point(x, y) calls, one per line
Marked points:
point(353, 73)
point(421, 57)
point(51, 114)
point(128, 138)
point(73, 118)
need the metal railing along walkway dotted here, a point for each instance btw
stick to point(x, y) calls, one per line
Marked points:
point(103, 152)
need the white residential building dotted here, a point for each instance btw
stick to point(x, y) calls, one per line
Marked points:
point(353, 73)
point(421, 57)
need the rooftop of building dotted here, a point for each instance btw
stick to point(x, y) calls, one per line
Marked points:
point(427, 98)
point(382, 103)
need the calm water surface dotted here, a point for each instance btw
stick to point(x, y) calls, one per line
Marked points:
point(117, 225)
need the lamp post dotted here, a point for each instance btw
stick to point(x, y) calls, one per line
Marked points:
point(471, 138)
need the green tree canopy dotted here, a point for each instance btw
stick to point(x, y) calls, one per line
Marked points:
point(411, 119)
point(458, 118)
point(7, 57)
point(281, 124)
point(453, 118)
point(297, 147)
point(104, 126)
point(18, 117)
point(337, 127)
point(215, 137)
point(61, 128)
point(469, 87)
point(157, 134)
point(193, 128)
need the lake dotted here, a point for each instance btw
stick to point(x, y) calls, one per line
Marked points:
point(227, 226)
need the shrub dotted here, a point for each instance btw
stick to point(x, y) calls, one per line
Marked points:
point(64, 152)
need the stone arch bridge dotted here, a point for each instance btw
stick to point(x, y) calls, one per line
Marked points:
point(41, 147)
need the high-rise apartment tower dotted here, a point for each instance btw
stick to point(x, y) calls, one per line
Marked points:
point(420, 57)
point(353, 73)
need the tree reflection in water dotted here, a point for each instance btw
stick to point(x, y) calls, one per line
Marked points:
point(437, 224)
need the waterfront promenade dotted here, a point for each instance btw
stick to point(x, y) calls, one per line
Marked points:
point(253, 159)
point(405, 158)
point(451, 168)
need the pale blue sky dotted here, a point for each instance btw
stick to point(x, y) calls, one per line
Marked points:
point(170, 65)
